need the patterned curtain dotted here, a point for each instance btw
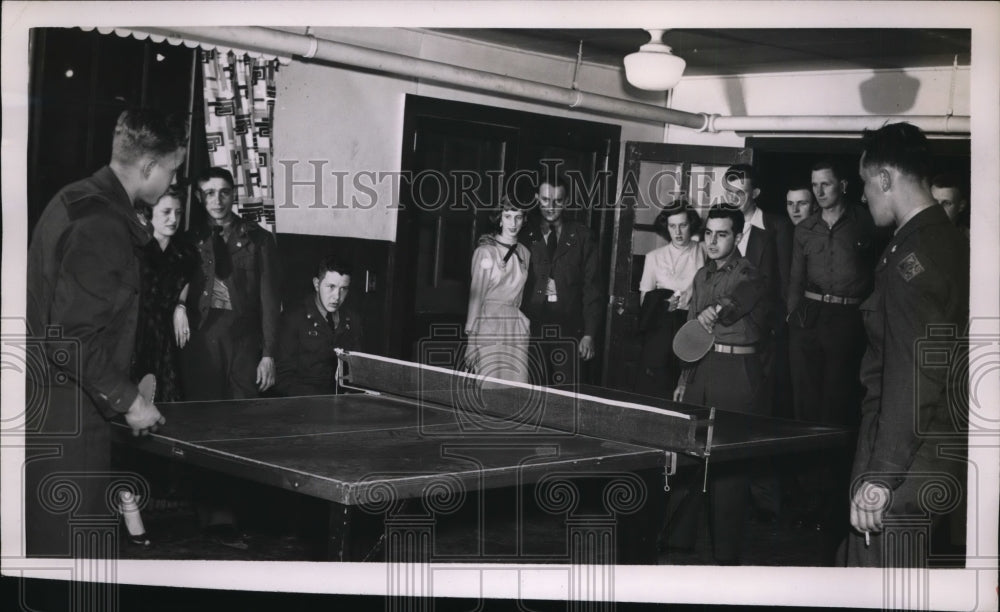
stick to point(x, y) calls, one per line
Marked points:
point(239, 113)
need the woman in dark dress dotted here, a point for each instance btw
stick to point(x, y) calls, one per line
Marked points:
point(168, 265)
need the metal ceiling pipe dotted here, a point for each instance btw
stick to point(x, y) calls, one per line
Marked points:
point(282, 43)
point(931, 124)
point(289, 44)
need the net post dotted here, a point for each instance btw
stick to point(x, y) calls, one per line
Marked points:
point(708, 446)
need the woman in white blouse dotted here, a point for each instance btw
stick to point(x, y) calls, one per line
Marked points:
point(671, 268)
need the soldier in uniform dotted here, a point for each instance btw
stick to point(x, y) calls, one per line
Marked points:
point(729, 300)
point(233, 310)
point(83, 292)
point(563, 290)
point(908, 413)
point(233, 301)
point(832, 263)
point(312, 330)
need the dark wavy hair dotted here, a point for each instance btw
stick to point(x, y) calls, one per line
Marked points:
point(505, 205)
point(721, 212)
point(215, 172)
point(678, 206)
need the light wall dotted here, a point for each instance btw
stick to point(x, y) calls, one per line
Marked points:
point(349, 123)
point(914, 91)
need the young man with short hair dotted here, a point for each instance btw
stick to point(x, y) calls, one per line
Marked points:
point(563, 290)
point(911, 439)
point(728, 300)
point(948, 192)
point(232, 304)
point(312, 330)
point(799, 202)
point(83, 280)
point(832, 261)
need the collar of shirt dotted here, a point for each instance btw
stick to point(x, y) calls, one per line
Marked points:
point(713, 265)
point(755, 220)
point(910, 215)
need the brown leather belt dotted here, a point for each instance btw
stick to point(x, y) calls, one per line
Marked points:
point(832, 299)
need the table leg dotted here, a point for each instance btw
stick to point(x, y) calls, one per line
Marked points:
point(638, 532)
point(354, 535)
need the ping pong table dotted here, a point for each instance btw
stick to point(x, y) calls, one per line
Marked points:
point(395, 461)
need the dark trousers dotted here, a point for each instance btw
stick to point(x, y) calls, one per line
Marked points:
point(68, 497)
point(220, 361)
point(659, 367)
point(825, 360)
point(733, 383)
point(555, 348)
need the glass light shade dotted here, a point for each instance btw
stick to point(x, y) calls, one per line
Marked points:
point(653, 67)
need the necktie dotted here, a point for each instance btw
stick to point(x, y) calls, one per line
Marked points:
point(331, 320)
point(223, 264)
point(551, 243)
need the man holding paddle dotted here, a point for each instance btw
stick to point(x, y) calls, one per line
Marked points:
point(727, 303)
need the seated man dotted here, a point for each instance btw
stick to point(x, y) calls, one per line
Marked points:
point(311, 330)
point(728, 299)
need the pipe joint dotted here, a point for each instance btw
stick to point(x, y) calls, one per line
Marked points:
point(709, 125)
point(313, 47)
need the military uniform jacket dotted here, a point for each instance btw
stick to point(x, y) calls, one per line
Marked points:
point(738, 287)
point(921, 280)
point(306, 360)
point(84, 277)
point(253, 284)
point(574, 268)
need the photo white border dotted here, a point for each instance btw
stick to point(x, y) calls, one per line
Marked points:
point(972, 588)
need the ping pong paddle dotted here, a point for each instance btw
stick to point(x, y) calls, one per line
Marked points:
point(147, 387)
point(692, 342)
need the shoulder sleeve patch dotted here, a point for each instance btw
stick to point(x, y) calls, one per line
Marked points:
point(909, 267)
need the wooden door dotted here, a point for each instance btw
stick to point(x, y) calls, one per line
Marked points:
point(655, 175)
point(458, 168)
point(438, 226)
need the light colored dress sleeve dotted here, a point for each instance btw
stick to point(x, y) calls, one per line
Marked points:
point(482, 266)
point(696, 262)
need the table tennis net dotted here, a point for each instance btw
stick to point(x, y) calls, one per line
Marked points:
point(489, 404)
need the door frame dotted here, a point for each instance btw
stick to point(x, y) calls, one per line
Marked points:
point(623, 303)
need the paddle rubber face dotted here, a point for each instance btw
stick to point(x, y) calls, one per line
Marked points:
point(692, 342)
point(147, 387)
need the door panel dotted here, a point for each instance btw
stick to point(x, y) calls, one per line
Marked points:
point(655, 175)
point(439, 224)
point(458, 169)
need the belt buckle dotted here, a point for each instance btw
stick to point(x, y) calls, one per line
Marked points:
point(827, 298)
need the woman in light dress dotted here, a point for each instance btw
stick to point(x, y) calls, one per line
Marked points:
point(669, 267)
point(497, 330)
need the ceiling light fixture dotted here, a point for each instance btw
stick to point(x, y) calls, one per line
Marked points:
point(653, 67)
